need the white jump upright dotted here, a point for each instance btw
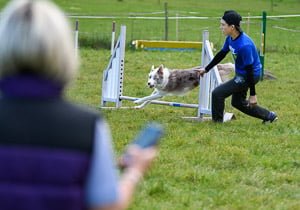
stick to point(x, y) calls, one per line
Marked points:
point(209, 81)
point(112, 83)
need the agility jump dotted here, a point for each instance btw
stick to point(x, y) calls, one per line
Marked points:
point(113, 75)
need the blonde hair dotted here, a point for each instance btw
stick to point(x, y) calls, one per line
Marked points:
point(35, 38)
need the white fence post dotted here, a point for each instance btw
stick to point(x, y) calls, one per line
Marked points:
point(76, 38)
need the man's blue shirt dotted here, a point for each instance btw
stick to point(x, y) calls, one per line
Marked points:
point(244, 53)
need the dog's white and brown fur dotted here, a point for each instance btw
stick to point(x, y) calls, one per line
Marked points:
point(169, 82)
point(177, 82)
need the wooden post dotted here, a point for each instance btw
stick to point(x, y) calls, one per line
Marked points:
point(263, 43)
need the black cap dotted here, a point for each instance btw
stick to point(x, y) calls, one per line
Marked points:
point(231, 17)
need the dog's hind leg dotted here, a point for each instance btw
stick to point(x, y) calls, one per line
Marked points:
point(142, 105)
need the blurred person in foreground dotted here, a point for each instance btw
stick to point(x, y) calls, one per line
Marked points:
point(247, 72)
point(53, 154)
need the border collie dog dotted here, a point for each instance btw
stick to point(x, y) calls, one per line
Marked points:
point(169, 82)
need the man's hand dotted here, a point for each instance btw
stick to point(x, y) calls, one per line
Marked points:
point(252, 101)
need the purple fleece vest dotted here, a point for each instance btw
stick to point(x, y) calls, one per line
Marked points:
point(41, 179)
point(45, 146)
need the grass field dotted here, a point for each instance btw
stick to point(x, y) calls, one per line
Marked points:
point(241, 164)
point(238, 165)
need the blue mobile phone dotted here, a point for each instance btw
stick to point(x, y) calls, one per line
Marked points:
point(149, 136)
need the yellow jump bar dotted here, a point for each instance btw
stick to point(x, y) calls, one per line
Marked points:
point(141, 44)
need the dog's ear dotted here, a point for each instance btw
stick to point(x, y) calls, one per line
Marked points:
point(160, 69)
point(152, 67)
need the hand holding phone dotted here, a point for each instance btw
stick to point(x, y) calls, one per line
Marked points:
point(148, 137)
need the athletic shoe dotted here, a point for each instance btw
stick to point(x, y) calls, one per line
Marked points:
point(271, 118)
